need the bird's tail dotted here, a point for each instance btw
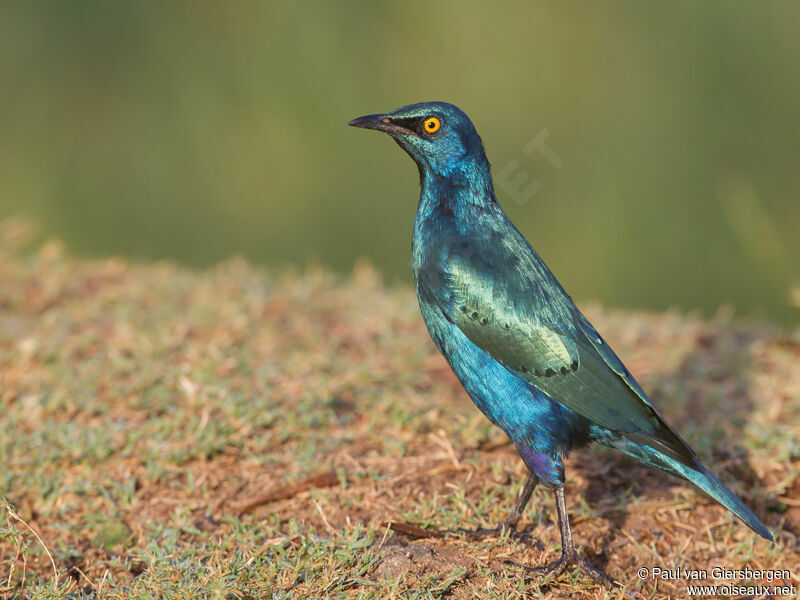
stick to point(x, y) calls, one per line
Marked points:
point(701, 477)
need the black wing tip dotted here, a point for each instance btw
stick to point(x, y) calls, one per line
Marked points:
point(765, 533)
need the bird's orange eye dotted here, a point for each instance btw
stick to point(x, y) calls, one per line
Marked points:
point(432, 125)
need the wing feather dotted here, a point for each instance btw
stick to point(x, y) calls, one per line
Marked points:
point(564, 358)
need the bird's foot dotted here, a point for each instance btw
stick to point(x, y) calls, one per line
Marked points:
point(571, 559)
point(502, 529)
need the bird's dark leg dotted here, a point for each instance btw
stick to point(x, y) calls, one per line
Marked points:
point(524, 497)
point(510, 523)
point(569, 555)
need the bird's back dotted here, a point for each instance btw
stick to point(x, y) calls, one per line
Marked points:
point(529, 358)
point(542, 429)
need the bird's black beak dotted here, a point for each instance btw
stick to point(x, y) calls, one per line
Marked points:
point(379, 122)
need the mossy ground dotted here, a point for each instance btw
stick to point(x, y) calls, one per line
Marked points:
point(234, 433)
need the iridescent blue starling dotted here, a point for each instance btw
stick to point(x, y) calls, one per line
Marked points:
point(528, 358)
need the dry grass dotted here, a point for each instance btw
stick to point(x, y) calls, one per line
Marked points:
point(238, 434)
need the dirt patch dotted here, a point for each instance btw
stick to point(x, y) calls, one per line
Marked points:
point(238, 433)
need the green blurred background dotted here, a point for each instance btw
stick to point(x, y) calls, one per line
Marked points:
point(198, 130)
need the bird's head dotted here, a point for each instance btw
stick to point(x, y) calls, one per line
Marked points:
point(438, 136)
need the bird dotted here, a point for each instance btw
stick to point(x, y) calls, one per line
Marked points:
point(525, 354)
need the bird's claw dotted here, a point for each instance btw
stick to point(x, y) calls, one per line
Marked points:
point(572, 559)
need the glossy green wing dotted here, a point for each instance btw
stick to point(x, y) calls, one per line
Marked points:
point(536, 331)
